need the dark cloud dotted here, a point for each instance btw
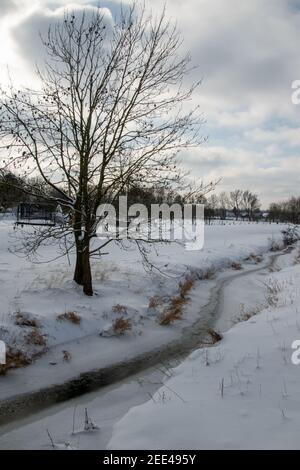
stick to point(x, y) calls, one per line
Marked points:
point(248, 55)
point(29, 31)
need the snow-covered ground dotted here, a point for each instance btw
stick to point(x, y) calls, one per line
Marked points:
point(182, 406)
point(42, 291)
point(241, 394)
point(35, 295)
point(248, 380)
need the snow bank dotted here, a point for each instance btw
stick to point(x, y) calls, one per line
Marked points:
point(44, 291)
point(242, 394)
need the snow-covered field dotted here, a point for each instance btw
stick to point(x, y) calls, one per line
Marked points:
point(35, 295)
point(241, 393)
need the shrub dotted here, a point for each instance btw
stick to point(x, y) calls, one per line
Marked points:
point(172, 312)
point(70, 316)
point(276, 246)
point(297, 258)
point(273, 287)
point(236, 266)
point(119, 309)
point(245, 315)
point(155, 301)
point(66, 356)
point(290, 235)
point(24, 319)
point(14, 359)
point(121, 325)
point(253, 257)
point(35, 338)
point(185, 286)
point(212, 337)
point(207, 274)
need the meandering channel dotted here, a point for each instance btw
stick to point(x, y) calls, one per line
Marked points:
point(23, 409)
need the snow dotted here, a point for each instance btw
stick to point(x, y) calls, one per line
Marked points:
point(242, 393)
point(42, 291)
point(179, 407)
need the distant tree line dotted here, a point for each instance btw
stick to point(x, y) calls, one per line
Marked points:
point(238, 204)
point(285, 211)
point(15, 189)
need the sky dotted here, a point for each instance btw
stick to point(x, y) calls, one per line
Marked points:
point(248, 55)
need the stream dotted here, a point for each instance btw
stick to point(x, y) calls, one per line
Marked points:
point(138, 380)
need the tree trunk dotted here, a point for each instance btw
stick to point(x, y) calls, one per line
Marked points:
point(82, 273)
point(78, 273)
point(87, 274)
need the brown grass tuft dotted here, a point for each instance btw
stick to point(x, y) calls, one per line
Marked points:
point(185, 286)
point(155, 301)
point(215, 336)
point(70, 316)
point(174, 310)
point(236, 266)
point(246, 314)
point(14, 359)
point(23, 319)
point(119, 309)
point(67, 356)
point(121, 325)
point(207, 274)
point(35, 338)
point(253, 257)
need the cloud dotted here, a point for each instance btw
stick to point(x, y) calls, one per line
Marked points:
point(29, 31)
point(283, 135)
point(247, 54)
point(7, 6)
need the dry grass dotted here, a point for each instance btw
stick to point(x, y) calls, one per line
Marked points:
point(276, 246)
point(66, 356)
point(174, 310)
point(212, 337)
point(185, 286)
point(119, 309)
point(253, 257)
point(155, 301)
point(121, 325)
point(35, 338)
point(246, 314)
point(297, 258)
point(70, 316)
point(207, 274)
point(236, 266)
point(273, 288)
point(23, 319)
point(14, 359)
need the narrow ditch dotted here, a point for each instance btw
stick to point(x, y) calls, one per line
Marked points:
point(191, 338)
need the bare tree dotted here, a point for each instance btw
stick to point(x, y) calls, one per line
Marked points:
point(285, 211)
point(211, 205)
point(235, 199)
point(223, 204)
point(250, 203)
point(109, 112)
